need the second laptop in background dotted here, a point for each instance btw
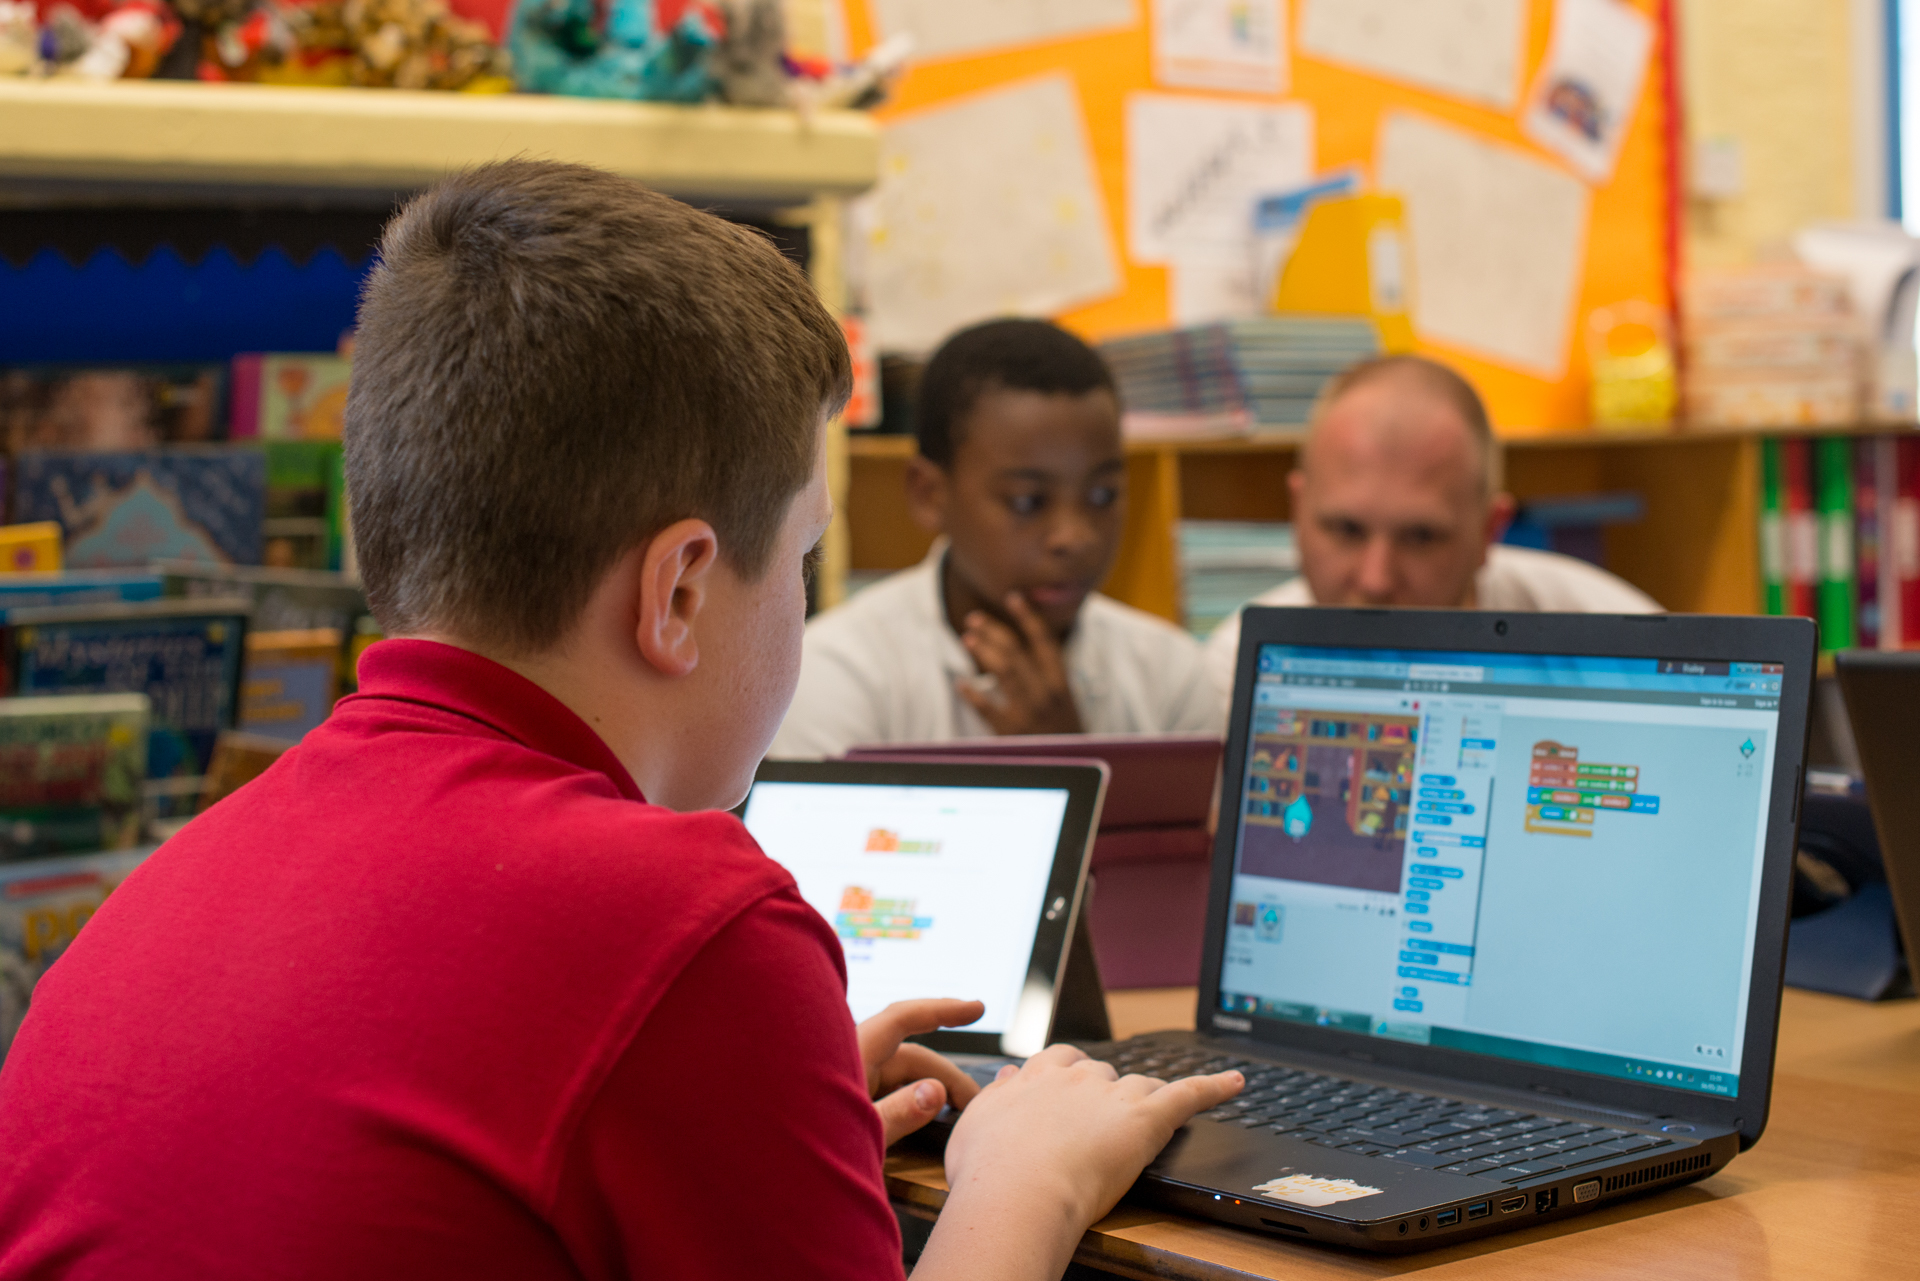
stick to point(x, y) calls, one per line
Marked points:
point(1147, 909)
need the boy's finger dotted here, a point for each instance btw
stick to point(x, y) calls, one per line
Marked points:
point(910, 1107)
point(903, 1019)
point(918, 1063)
point(1178, 1102)
point(1040, 641)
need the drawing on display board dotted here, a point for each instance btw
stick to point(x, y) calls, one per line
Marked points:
point(1498, 238)
point(1196, 169)
point(1584, 97)
point(985, 207)
point(1221, 44)
point(1471, 49)
point(943, 28)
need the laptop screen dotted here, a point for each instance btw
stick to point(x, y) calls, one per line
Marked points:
point(934, 891)
point(1546, 858)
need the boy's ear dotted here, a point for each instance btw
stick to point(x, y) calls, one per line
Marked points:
point(929, 490)
point(676, 581)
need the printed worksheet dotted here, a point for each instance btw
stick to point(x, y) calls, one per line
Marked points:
point(1471, 49)
point(1584, 97)
point(1499, 239)
point(1221, 44)
point(986, 206)
point(943, 28)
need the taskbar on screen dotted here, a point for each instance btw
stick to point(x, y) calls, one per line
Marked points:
point(1555, 1056)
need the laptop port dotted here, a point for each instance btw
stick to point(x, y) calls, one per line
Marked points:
point(1446, 1218)
point(1545, 1199)
point(1509, 1204)
point(1479, 1209)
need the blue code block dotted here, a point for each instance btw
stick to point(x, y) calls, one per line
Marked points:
point(1435, 869)
point(1418, 896)
point(1423, 927)
point(1426, 883)
point(1433, 976)
point(1439, 780)
point(1418, 909)
point(1412, 1007)
point(1409, 991)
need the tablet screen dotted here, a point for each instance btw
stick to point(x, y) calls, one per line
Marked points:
point(933, 891)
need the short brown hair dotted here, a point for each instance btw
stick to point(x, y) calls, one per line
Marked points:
point(552, 365)
point(1433, 378)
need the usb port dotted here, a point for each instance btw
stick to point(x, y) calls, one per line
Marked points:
point(1446, 1218)
point(1479, 1209)
point(1512, 1203)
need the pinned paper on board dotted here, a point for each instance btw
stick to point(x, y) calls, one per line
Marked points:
point(1499, 241)
point(984, 207)
point(1221, 44)
point(943, 28)
point(1195, 172)
point(1584, 97)
point(1471, 49)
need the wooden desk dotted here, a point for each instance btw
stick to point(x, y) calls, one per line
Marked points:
point(1832, 1190)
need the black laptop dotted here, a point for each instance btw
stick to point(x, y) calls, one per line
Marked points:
point(1497, 918)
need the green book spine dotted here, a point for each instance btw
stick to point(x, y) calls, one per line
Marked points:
point(1833, 506)
point(1773, 529)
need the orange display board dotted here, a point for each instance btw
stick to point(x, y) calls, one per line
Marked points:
point(1628, 239)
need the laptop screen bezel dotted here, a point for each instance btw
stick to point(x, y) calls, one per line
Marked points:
point(1788, 641)
point(1085, 786)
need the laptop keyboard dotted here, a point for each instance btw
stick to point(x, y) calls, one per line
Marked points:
point(1426, 1130)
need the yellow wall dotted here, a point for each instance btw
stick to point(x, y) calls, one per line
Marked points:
point(1777, 77)
point(1626, 252)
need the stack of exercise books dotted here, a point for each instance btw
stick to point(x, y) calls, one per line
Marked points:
point(1840, 537)
point(1226, 563)
point(1264, 374)
point(1772, 346)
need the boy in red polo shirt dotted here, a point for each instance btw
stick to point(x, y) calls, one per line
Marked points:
point(479, 981)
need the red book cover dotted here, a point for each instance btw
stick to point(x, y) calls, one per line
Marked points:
point(1866, 543)
point(1803, 528)
point(1904, 544)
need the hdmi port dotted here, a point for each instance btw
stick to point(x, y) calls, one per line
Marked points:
point(1512, 1203)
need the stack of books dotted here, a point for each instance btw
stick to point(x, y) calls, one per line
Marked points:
point(1263, 374)
point(1772, 346)
point(1226, 563)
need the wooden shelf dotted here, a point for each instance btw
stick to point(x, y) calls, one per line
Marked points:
point(145, 131)
point(1701, 487)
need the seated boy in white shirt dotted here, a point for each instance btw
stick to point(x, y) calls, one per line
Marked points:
point(999, 630)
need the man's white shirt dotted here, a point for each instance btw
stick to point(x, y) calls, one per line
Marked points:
point(884, 666)
point(1516, 579)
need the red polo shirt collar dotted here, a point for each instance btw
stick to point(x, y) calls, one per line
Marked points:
point(451, 679)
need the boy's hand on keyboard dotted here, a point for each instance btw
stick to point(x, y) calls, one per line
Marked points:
point(1066, 1133)
point(910, 1083)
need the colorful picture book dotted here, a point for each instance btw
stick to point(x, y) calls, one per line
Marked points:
point(71, 773)
point(43, 905)
point(291, 682)
point(184, 655)
point(289, 395)
point(200, 503)
point(30, 549)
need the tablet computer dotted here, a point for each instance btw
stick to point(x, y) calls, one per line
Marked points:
point(940, 879)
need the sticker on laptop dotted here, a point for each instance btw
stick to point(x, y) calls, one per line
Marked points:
point(1308, 1189)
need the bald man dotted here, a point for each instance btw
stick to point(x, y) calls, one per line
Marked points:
point(1394, 503)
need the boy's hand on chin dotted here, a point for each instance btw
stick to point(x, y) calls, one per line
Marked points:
point(910, 1083)
point(1030, 693)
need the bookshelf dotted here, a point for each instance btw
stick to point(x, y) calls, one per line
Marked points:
point(1701, 488)
point(241, 135)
